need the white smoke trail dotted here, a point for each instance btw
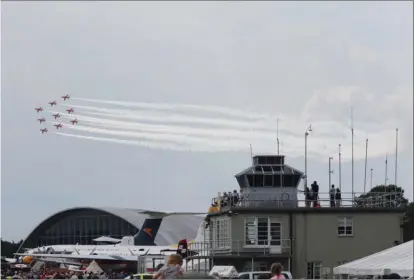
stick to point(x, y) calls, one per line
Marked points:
point(181, 139)
point(173, 129)
point(190, 107)
point(173, 118)
point(153, 145)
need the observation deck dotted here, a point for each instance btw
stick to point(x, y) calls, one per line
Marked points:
point(271, 184)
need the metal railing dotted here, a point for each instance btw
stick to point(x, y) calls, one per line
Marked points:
point(238, 247)
point(372, 200)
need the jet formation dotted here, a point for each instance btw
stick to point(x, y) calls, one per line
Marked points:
point(55, 116)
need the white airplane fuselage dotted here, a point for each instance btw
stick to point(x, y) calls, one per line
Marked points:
point(115, 250)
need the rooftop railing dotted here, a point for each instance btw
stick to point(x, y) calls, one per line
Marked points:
point(238, 247)
point(372, 200)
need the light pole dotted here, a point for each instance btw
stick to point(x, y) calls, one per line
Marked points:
point(372, 169)
point(309, 129)
point(330, 172)
point(339, 161)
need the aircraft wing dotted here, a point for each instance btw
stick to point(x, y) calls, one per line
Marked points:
point(84, 257)
point(158, 214)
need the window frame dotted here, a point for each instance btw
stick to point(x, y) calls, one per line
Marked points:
point(315, 266)
point(220, 235)
point(345, 222)
point(268, 244)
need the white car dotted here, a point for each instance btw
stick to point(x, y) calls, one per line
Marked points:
point(262, 275)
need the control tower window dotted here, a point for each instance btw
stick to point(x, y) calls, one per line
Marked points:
point(267, 168)
point(288, 180)
point(277, 182)
point(277, 168)
point(258, 168)
point(250, 180)
point(258, 180)
point(268, 180)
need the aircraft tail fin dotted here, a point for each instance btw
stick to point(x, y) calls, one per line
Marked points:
point(182, 248)
point(148, 232)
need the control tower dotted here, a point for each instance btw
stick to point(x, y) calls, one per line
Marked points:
point(270, 181)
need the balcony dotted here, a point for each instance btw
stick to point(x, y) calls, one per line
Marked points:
point(225, 247)
point(375, 200)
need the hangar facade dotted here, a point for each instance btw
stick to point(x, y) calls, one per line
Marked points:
point(83, 224)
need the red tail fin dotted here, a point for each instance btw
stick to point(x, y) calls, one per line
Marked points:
point(182, 248)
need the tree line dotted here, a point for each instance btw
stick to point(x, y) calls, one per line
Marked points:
point(9, 248)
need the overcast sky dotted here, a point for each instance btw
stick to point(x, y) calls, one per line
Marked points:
point(307, 63)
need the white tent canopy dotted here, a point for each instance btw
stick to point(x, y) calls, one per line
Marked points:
point(397, 259)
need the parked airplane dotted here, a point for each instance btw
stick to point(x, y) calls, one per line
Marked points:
point(70, 110)
point(110, 253)
point(56, 116)
point(39, 109)
point(41, 120)
point(58, 125)
point(65, 97)
point(44, 130)
point(118, 252)
point(74, 121)
point(53, 103)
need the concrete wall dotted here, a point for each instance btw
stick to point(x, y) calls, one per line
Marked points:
point(315, 237)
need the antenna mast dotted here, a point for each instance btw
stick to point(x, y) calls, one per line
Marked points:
point(352, 131)
point(386, 169)
point(396, 155)
point(277, 133)
point(366, 161)
point(251, 153)
point(340, 179)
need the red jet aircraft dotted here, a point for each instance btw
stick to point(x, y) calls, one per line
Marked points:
point(39, 109)
point(70, 110)
point(65, 97)
point(58, 125)
point(41, 120)
point(53, 103)
point(44, 130)
point(74, 121)
point(56, 116)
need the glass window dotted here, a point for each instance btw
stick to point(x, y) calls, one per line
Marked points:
point(275, 233)
point(345, 226)
point(262, 231)
point(250, 231)
point(314, 270)
point(277, 180)
point(258, 180)
point(268, 180)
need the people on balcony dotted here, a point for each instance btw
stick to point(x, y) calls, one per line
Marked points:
point(332, 192)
